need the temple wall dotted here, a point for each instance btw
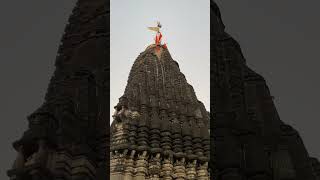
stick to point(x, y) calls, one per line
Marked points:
point(148, 167)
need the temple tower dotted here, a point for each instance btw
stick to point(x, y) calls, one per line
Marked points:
point(160, 128)
point(67, 135)
point(249, 140)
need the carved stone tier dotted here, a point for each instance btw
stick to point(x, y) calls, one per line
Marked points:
point(160, 118)
point(67, 135)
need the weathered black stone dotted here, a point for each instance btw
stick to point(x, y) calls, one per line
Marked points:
point(74, 116)
point(171, 117)
point(248, 139)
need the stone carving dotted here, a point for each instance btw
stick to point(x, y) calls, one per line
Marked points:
point(129, 166)
point(66, 138)
point(179, 169)
point(124, 114)
point(191, 170)
point(142, 165)
point(247, 133)
point(167, 168)
point(203, 171)
point(163, 121)
point(160, 128)
point(155, 167)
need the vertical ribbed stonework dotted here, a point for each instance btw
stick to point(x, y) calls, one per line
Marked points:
point(159, 126)
point(67, 135)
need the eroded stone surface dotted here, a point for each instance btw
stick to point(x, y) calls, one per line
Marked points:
point(171, 130)
point(249, 140)
point(67, 135)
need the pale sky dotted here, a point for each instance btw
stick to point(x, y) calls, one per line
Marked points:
point(185, 29)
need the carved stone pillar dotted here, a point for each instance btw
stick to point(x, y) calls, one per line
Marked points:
point(155, 167)
point(115, 162)
point(141, 166)
point(118, 138)
point(129, 169)
point(167, 169)
point(203, 171)
point(191, 170)
point(180, 169)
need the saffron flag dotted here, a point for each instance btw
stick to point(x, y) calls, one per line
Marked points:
point(158, 38)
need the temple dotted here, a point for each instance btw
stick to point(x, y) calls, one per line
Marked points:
point(160, 128)
point(67, 135)
point(248, 139)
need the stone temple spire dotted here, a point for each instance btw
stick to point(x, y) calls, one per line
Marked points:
point(160, 128)
point(67, 135)
point(249, 140)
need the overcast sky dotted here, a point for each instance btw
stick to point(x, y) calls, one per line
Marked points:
point(185, 29)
